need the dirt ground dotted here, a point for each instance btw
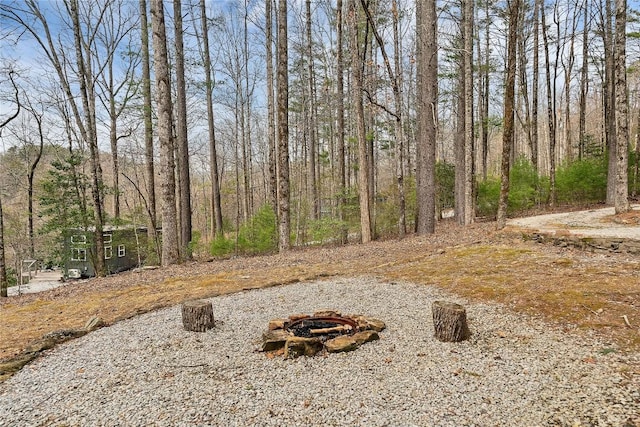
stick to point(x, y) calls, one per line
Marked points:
point(581, 291)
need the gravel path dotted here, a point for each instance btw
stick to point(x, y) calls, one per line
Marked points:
point(148, 371)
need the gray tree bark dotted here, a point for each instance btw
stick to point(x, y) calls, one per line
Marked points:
point(450, 321)
point(363, 155)
point(216, 205)
point(182, 141)
point(271, 119)
point(509, 95)
point(427, 102)
point(342, 183)
point(148, 134)
point(170, 238)
point(622, 120)
point(284, 221)
point(197, 316)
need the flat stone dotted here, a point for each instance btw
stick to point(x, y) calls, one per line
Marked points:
point(295, 317)
point(369, 323)
point(94, 323)
point(327, 313)
point(300, 346)
point(274, 340)
point(40, 345)
point(277, 324)
point(341, 344)
point(365, 336)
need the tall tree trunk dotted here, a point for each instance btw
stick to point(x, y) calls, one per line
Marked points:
point(363, 154)
point(399, 125)
point(216, 205)
point(170, 238)
point(90, 135)
point(32, 172)
point(568, 70)
point(342, 183)
point(182, 141)
point(396, 82)
point(313, 139)
point(636, 165)
point(271, 120)
point(509, 95)
point(247, 150)
point(148, 133)
point(610, 109)
point(485, 97)
point(622, 121)
point(4, 284)
point(584, 80)
point(535, 87)
point(551, 115)
point(113, 142)
point(284, 222)
point(427, 102)
point(469, 152)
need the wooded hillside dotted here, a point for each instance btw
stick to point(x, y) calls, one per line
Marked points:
point(251, 126)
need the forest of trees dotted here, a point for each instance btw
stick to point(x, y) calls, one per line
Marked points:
point(249, 126)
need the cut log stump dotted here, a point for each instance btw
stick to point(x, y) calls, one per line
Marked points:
point(450, 321)
point(197, 315)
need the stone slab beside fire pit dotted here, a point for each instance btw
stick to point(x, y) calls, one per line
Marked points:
point(324, 331)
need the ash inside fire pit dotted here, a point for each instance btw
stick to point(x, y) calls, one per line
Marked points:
point(324, 331)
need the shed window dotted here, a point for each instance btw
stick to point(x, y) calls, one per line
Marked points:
point(108, 252)
point(78, 254)
point(107, 238)
point(121, 251)
point(78, 239)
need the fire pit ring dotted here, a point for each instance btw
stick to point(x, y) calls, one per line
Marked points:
point(325, 331)
point(328, 326)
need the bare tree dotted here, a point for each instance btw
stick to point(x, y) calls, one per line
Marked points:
point(148, 130)
point(509, 95)
point(4, 284)
point(340, 131)
point(622, 121)
point(170, 252)
point(271, 119)
point(357, 64)
point(312, 109)
point(551, 111)
point(283, 130)
point(584, 80)
point(427, 101)
point(182, 141)
point(116, 87)
point(469, 152)
point(216, 205)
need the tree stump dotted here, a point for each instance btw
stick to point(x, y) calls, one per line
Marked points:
point(450, 321)
point(197, 315)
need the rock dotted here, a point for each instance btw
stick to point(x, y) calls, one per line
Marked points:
point(365, 336)
point(341, 344)
point(299, 346)
point(40, 345)
point(15, 364)
point(295, 317)
point(327, 313)
point(64, 335)
point(274, 340)
point(94, 323)
point(369, 323)
point(277, 324)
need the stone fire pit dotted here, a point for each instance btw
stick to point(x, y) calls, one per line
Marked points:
point(326, 331)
